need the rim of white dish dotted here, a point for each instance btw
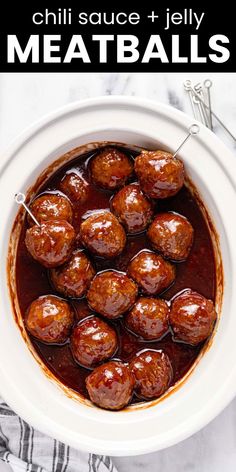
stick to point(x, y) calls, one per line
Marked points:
point(226, 391)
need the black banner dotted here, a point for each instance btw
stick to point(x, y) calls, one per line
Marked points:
point(82, 38)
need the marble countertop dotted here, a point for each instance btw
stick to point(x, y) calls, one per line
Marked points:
point(25, 98)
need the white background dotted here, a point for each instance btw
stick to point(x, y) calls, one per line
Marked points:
point(25, 98)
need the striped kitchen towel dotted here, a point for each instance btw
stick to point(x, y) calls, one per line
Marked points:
point(26, 449)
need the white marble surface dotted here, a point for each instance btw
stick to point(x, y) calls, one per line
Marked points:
point(24, 98)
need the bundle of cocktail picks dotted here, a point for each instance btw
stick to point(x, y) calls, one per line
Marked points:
point(200, 99)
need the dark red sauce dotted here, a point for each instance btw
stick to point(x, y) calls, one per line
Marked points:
point(197, 273)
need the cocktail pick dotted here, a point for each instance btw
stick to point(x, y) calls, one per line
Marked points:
point(205, 117)
point(193, 130)
point(200, 109)
point(20, 200)
point(208, 85)
point(188, 86)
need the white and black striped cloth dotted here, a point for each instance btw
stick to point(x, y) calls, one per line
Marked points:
point(25, 449)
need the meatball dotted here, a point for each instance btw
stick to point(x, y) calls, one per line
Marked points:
point(151, 272)
point(160, 174)
point(50, 206)
point(153, 373)
point(112, 293)
point(75, 187)
point(51, 243)
point(110, 385)
point(192, 317)
point(132, 208)
point(111, 168)
point(50, 319)
point(148, 318)
point(103, 235)
point(74, 277)
point(172, 235)
point(93, 341)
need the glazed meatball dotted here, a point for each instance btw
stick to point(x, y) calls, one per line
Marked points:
point(51, 243)
point(159, 173)
point(172, 235)
point(93, 341)
point(75, 187)
point(103, 235)
point(153, 373)
point(74, 277)
point(192, 317)
point(110, 385)
point(50, 319)
point(111, 294)
point(111, 168)
point(148, 318)
point(151, 272)
point(50, 206)
point(132, 208)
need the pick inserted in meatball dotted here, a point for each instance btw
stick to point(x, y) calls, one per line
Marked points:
point(111, 168)
point(75, 187)
point(51, 243)
point(74, 277)
point(148, 318)
point(51, 206)
point(110, 386)
point(153, 373)
point(192, 317)
point(132, 208)
point(112, 293)
point(93, 341)
point(103, 235)
point(160, 174)
point(151, 272)
point(50, 319)
point(172, 235)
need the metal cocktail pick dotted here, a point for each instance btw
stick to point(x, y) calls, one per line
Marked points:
point(193, 130)
point(205, 117)
point(200, 109)
point(20, 200)
point(188, 86)
point(208, 85)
